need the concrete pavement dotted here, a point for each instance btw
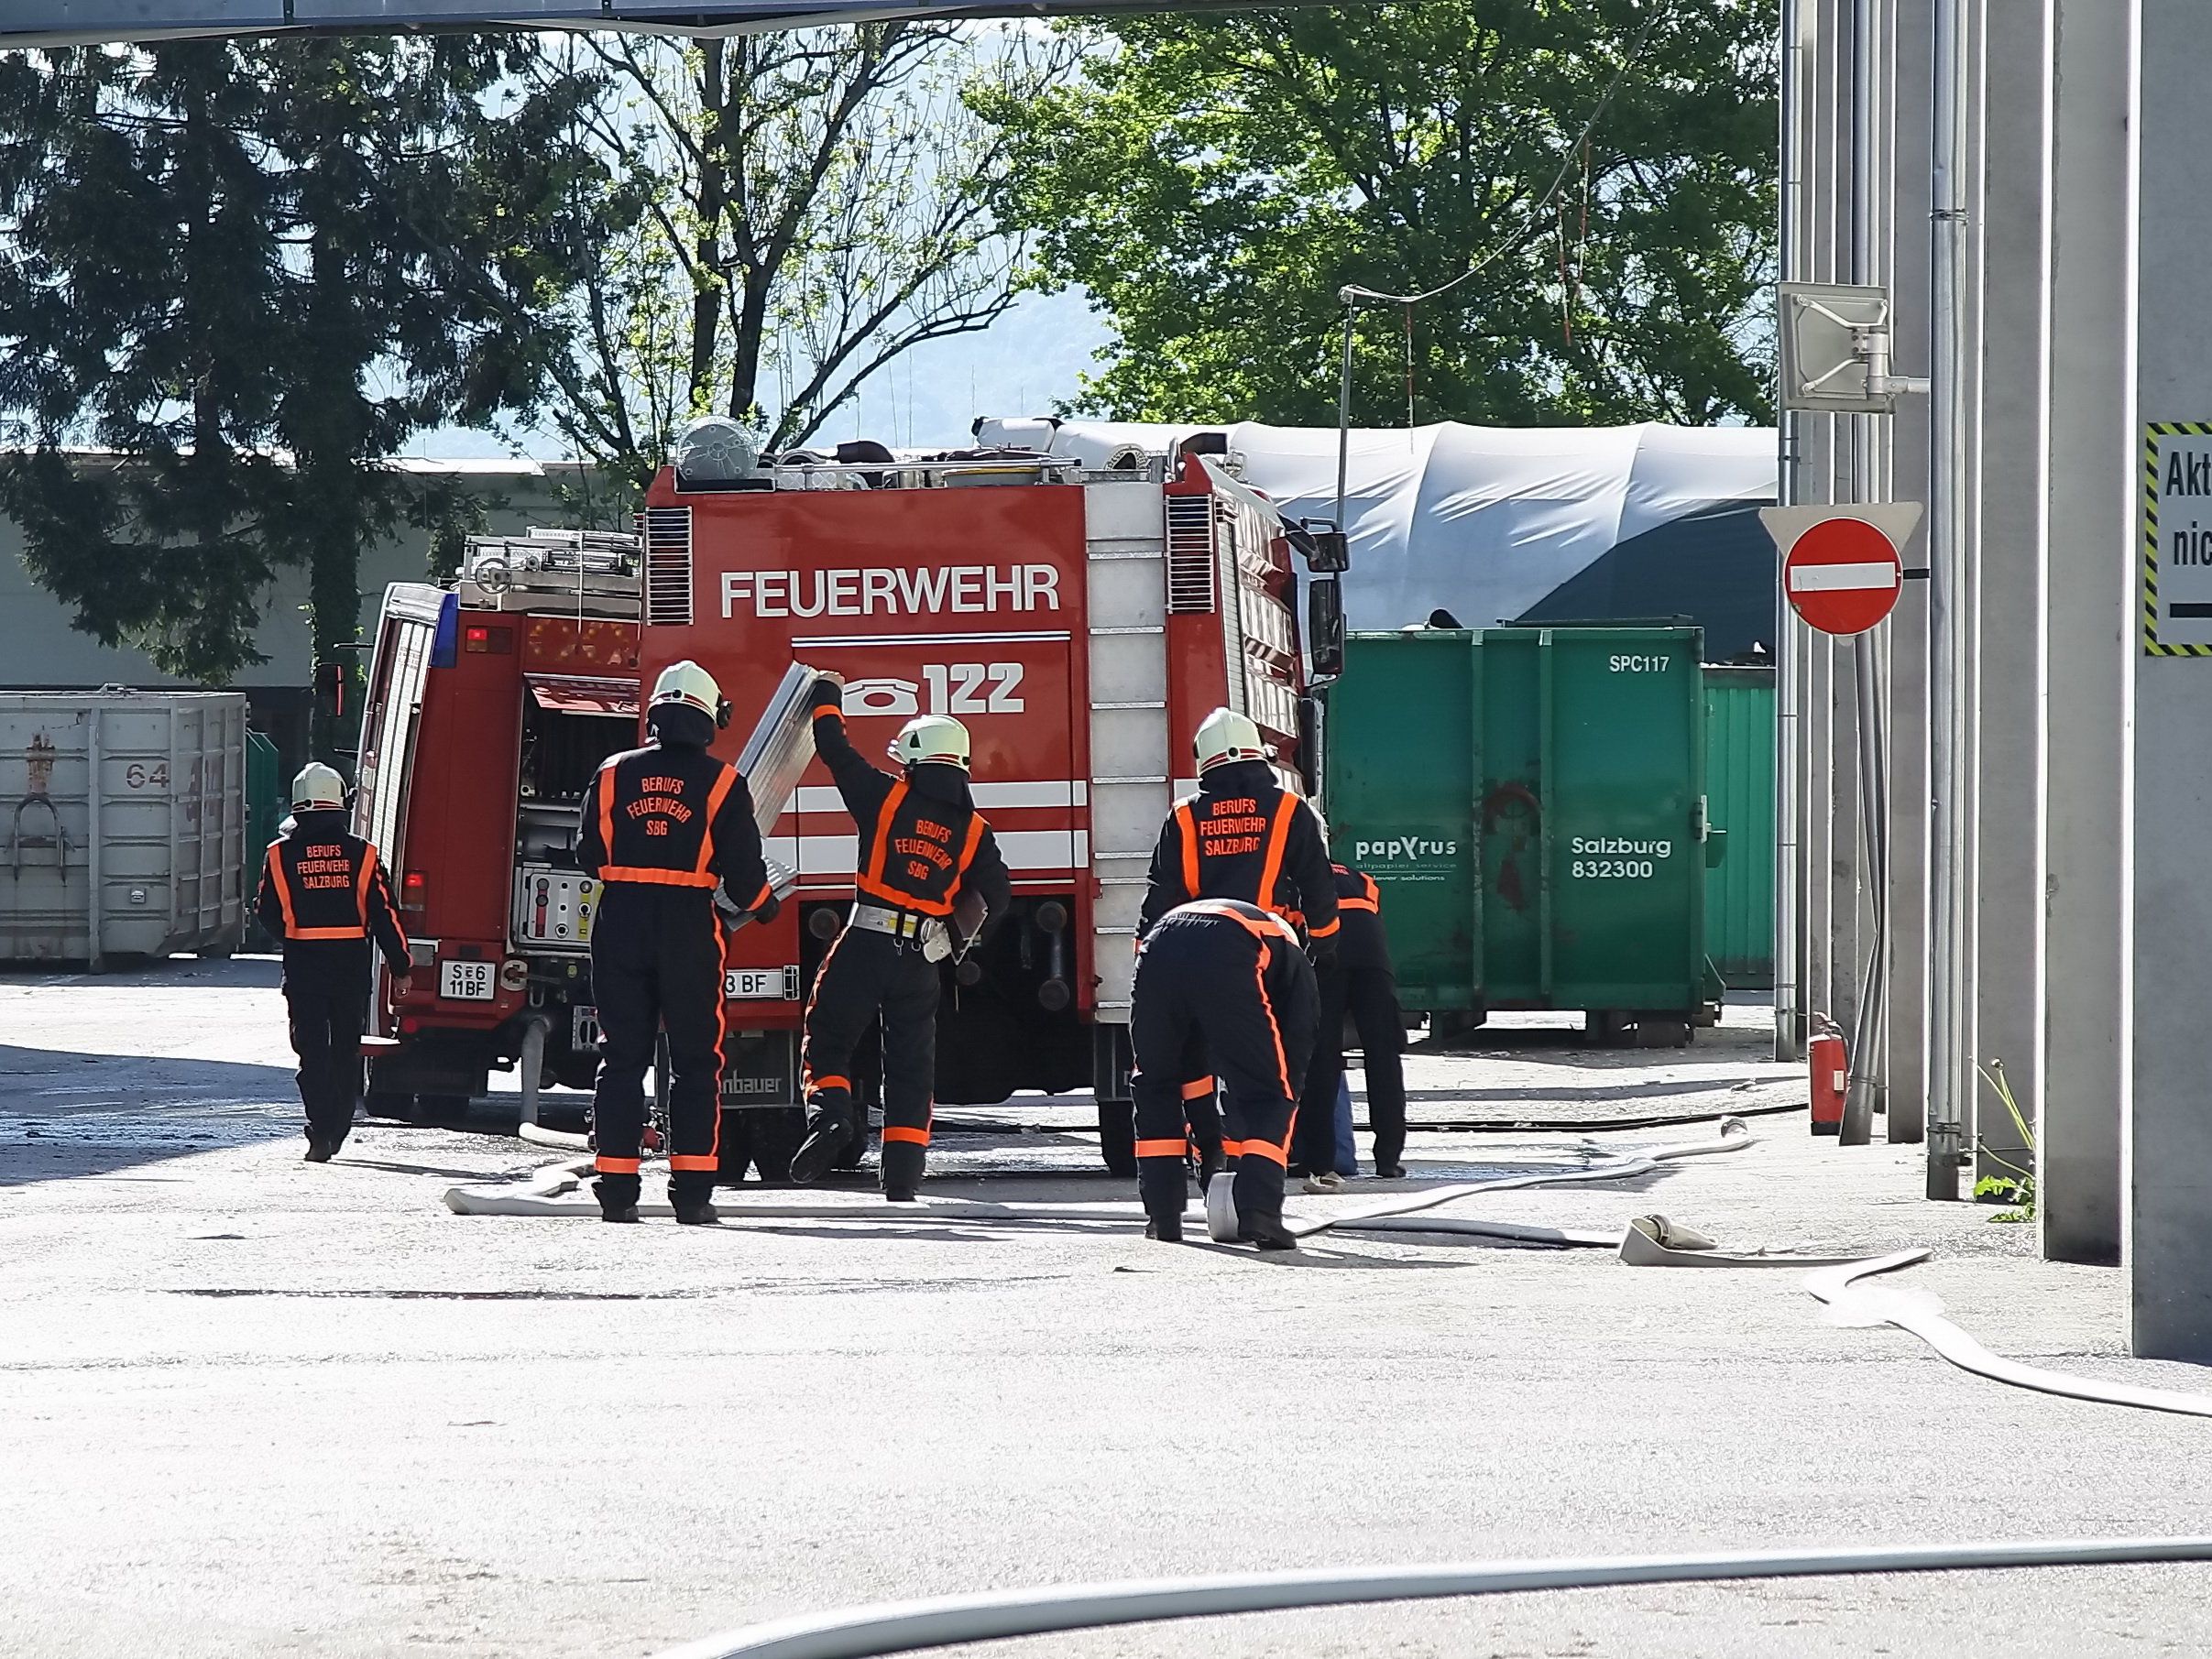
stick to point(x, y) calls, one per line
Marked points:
point(249, 1405)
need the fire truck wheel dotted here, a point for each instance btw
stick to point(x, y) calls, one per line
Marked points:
point(736, 1148)
point(389, 1104)
point(1118, 1136)
point(441, 1108)
point(776, 1131)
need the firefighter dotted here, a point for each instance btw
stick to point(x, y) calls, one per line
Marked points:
point(1225, 985)
point(663, 825)
point(324, 892)
point(1242, 836)
point(1362, 980)
point(930, 881)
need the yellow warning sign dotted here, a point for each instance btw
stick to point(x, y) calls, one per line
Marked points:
point(2177, 539)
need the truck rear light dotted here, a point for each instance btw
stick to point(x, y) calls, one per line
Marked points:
point(482, 637)
point(414, 890)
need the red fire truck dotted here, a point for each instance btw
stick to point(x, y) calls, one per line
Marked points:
point(490, 705)
point(1081, 623)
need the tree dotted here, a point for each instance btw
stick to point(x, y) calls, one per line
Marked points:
point(1214, 181)
point(247, 273)
point(783, 216)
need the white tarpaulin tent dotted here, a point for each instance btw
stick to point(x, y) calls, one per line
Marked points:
point(1498, 523)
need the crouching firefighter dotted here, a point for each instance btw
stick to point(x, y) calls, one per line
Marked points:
point(1223, 984)
point(930, 882)
point(324, 893)
point(663, 825)
point(1242, 836)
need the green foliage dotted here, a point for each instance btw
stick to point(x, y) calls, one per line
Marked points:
point(1214, 179)
point(246, 273)
point(2017, 1186)
point(783, 215)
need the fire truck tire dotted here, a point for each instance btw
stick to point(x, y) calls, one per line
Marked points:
point(1118, 1135)
point(775, 1131)
point(388, 1104)
point(441, 1108)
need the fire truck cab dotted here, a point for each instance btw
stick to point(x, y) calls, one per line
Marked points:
point(1081, 623)
point(490, 705)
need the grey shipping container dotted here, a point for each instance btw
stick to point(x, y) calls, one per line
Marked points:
point(122, 824)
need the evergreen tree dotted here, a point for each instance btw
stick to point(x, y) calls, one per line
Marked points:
point(243, 274)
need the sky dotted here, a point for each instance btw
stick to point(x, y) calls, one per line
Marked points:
point(1024, 364)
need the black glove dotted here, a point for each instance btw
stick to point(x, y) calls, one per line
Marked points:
point(1323, 951)
point(827, 694)
point(768, 909)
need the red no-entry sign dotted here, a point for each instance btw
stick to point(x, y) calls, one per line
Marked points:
point(1841, 568)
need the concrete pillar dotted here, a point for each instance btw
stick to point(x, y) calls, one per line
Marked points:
point(1909, 28)
point(2169, 1150)
point(2008, 644)
point(2090, 634)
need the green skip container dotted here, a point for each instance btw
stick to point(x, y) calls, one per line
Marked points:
point(1531, 803)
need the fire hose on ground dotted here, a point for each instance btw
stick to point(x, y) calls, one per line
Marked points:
point(1838, 1282)
point(944, 1620)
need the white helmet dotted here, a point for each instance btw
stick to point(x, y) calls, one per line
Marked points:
point(317, 787)
point(694, 687)
point(931, 738)
point(1225, 735)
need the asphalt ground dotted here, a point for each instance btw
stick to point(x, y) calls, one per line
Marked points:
point(253, 1406)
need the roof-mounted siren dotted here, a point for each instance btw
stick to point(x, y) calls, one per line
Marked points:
point(1835, 350)
point(715, 452)
point(1019, 431)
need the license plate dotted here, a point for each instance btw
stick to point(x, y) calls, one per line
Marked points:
point(468, 981)
point(584, 1031)
point(760, 984)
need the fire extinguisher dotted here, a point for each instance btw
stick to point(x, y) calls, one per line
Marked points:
point(1830, 1065)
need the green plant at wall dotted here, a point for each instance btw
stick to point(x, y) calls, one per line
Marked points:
point(2018, 1186)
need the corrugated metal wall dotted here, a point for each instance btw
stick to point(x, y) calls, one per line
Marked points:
point(1739, 794)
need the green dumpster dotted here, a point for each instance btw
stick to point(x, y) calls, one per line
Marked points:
point(1531, 803)
point(1739, 787)
point(265, 807)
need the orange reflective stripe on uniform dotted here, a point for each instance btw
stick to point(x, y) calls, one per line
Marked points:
point(1197, 1089)
point(873, 875)
point(1191, 848)
point(974, 840)
point(1162, 1148)
point(607, 813)
point(714, 797)
point(282, 883)
point(653, 878)
point(1261, 1149)
point(897, 1132)
point(1282, 1061)
point(688, 1160)
point(617, 1166)
point(368, 874)
point(1277, 836)
point(814, 1083)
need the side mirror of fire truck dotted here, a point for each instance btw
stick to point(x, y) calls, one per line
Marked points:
point(1325, 628)
point(1326, 549)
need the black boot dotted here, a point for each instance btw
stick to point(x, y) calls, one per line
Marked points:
point(618, 1197)
point(828, 1131)
point(694, 1212)
point(1164, 1188)
point(1167, 1229)
point(903, 1162)
point(320, 1152)
point(1265, 1230)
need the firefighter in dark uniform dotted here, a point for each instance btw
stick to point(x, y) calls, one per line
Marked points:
point(1225, 985)
point(1243, 836)
point(663, 825)
point(1362, 980)
point(324, 893)
point(930, 879)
